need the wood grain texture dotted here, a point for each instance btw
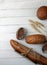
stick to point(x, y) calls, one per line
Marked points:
point(15, 14)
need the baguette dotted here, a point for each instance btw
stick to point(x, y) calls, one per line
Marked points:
point(29, 53)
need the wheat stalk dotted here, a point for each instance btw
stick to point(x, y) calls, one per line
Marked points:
point(37, 24)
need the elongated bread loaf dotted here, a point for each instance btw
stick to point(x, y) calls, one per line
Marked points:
point(35, 39)
point(29, 53)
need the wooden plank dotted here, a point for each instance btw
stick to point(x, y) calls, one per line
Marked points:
point(8, 4)
point(9, 21)
point(11, 13)
point(15, 61)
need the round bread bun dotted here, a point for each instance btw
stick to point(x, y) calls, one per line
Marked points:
point(42, 12)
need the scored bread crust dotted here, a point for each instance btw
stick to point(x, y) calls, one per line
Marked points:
point(35, 39)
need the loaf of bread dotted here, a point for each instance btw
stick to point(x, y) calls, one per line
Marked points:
point(42, 12)
point(35, 39)
point(28, 52)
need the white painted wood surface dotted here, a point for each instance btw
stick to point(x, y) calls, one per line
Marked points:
point(15, 14)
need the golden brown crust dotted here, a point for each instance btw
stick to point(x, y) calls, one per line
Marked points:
point(42, 13)
point(30, 53)
point(35, 39)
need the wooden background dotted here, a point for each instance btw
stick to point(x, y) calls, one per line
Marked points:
point(13, 15)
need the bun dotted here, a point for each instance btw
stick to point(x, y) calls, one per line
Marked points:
point(42, 13)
